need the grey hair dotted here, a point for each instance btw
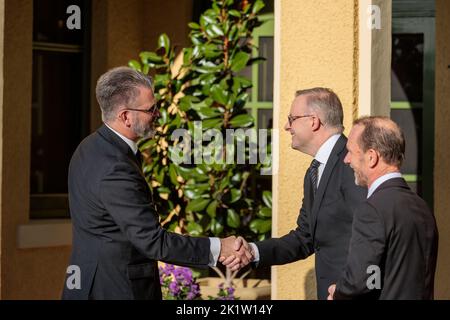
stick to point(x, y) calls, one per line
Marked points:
point(119, 86)
point(384, 136)
point(325, 102)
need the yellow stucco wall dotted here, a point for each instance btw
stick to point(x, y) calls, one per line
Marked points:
point(31, 273)
point(374, 61)
point(318, 46)
point(442, 150)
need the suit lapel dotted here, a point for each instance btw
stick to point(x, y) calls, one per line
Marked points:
point(114, 139)
point(324, 179)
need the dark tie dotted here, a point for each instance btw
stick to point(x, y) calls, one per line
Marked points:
point(314, 174)
point(139, 158)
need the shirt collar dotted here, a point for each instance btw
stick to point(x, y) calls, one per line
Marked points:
point(382, 179)
point(325, 149)
point(129, 142)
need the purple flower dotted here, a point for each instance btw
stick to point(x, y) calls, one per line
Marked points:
point(178, 283)
point(174, 289)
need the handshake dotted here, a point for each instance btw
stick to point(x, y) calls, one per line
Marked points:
point(235, 253)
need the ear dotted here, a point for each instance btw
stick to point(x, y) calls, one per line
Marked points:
point(315, 124)
point(124, 116)
point(372, 158)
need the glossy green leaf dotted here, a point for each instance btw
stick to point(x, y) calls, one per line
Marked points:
point(259, 4)
point(233, 219)
point(186, 173)
point(235, 195)
point(159, 176)
point(260, 226)
point(267, 198)
point(234, 13)
point(212, 123)
point(146, 68)
point(265, 213)
point(173, 174)
point(216, 30)
point(163, 190)
point(209, 16)
point(187, 102)
point(219, 94)
point(194, 25)
point(206, 113)
point(192, 193)
point(216, 227)
point(194, 229)
point(147, 56)
point(164, 42)
point(148, 144)
point(211, 209)
point(164, 115)
point(239, 61)
point(197, 205)
point(242, 120)
point(135, 65)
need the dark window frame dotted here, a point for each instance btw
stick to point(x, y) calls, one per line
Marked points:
point(56, 205)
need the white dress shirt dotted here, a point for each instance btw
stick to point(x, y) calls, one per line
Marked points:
point(322, 155)
point(380, 180)
point(129, 142)
point(214, 243)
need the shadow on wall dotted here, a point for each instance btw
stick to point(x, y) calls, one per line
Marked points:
point(310, 285)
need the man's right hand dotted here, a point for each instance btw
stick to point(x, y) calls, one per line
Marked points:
point(235, 253)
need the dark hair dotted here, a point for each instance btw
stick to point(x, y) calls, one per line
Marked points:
point(326, 101)
point(384, 136)
point(119, 86)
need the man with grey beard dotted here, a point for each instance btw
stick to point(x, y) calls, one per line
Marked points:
point(117, 238)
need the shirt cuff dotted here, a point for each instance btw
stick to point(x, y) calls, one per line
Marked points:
point(214, 247)
point(255, 252)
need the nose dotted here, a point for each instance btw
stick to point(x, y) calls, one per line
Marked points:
point(347, 158)
point(287, 127)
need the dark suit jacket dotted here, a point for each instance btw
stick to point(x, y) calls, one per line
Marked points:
point(117, 238)
point(324, 224)
point(394, 230)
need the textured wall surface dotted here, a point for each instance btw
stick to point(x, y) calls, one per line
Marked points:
point(318, 47)
point(442, 150)
point(33, 273)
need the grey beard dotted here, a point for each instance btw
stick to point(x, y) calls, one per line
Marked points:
point(143, 131)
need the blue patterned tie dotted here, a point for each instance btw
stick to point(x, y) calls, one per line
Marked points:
point(314, 174)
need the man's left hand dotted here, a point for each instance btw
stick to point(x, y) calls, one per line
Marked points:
point(331, 290)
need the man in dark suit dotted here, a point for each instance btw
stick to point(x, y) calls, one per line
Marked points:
point(117, 238)
point(330, 196)
point(393, 249)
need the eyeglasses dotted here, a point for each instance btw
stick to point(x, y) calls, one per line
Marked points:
point(152, 110)
point(291, 119)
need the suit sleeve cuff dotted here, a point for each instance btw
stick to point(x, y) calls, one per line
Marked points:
point(214, 251)
point(255, 252)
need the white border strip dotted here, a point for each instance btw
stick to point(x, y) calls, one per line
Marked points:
point(276, 127)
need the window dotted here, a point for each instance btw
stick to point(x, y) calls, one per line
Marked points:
point(260, 103)
point(60, 102)
point(412, 90)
